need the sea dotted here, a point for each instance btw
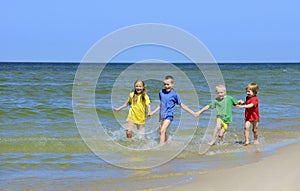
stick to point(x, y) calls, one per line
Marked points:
point(59, 132)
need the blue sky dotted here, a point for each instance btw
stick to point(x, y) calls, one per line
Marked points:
point(233, 31)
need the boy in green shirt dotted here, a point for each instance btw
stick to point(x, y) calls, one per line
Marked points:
point(223, 103)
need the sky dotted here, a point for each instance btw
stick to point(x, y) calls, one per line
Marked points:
point(232, 30)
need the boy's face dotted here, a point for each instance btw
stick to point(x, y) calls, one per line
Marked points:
point(168, 84)
point(249, 93)
point(221, 93)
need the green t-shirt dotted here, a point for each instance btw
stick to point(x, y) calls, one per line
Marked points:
point(224, 108)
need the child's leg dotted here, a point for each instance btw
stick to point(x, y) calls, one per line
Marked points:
point(224, 127)
point(129, 130)
point(140, 130)
point(163, 130)
point(255, 131)
point(217, 128)
point(246, 132)
point(221, 134)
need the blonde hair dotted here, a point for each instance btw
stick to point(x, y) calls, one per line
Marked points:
point(253, 87)
point(144, 92)
point(221, 87)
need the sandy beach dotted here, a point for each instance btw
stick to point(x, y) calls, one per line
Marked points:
point(278, 172)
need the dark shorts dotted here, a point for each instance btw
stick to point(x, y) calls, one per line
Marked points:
point(168, 118)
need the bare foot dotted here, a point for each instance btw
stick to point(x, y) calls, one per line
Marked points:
point(129, 135)
point(211, 143)
point(246, 143)
point(255, 142)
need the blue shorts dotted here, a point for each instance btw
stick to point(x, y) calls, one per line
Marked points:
point(167, 118)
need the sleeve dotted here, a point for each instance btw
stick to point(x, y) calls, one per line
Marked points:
point(159, 94)
point(212, 104)
point(178, 101)
point(147, 99)
point(254, 101)
point(234, 101)
point(130, 98)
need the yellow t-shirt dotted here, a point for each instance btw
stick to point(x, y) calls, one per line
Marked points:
point(137, 111)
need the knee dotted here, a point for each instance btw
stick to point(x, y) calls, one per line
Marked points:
point(221, 134)
point(162, 131)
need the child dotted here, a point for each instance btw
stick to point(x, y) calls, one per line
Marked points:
point(251, 112)
point(168, 99)
point(223, 103)
point(138, 100)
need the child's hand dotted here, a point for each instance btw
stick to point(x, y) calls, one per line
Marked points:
point(116, 109)
point(149, 114)
point(194, 114)
point(240, 102)
point(197, 114)
point(239, 106)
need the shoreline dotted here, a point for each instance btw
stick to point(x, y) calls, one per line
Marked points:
point(280, 171)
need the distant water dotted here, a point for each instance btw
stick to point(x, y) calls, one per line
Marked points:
point(41, 147)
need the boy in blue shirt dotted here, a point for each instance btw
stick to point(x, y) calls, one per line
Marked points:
point(168, 99)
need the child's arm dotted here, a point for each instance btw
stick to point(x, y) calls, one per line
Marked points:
point(197, 114)
point(155, 110)
point(121, 107)
point(186, 108)
point(245, 106)
point(149, 110)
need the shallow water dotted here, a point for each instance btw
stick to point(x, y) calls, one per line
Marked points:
point(42, 148)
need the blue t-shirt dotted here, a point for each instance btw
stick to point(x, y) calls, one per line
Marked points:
point(168, 100)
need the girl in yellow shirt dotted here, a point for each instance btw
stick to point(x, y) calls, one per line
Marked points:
point(138, 101)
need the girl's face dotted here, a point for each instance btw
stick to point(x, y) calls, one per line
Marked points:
point(168, 85)
point(249, 93)
point(139, 87)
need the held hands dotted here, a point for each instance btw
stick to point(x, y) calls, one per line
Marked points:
point(194, 114)
point(197, 114)
point(150, 113)
point(240, 104)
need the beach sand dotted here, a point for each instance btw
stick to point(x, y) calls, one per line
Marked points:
point(278, 172)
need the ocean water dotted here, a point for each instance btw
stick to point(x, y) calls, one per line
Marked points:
point(43, 147)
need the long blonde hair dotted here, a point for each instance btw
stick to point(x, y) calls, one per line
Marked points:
point(144, 92)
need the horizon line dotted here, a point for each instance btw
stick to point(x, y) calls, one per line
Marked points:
point(127, 62)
